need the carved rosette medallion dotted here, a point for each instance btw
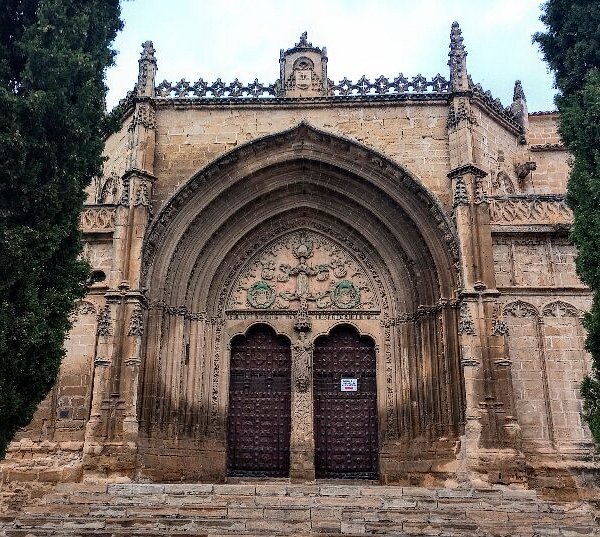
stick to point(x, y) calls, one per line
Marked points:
point(345, 295)
point(260, 295)
point(303, 271)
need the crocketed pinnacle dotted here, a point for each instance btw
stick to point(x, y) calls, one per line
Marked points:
point(518, 92)
point(457, 60)
point(147, 53)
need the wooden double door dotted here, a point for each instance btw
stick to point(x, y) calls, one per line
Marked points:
point(345, 405)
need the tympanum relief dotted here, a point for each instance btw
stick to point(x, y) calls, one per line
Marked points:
point(306, 271)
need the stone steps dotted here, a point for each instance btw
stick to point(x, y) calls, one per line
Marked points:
point(288, 509)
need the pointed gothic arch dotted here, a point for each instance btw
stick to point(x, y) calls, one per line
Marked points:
point(335, 190)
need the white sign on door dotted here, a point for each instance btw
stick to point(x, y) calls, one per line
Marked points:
point(348, 385)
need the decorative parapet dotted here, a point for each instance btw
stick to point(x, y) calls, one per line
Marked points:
point(217, 90)
point(378, 88)
point(98, 219)
point(494, 103)
point(530, 210)
point(256, 90)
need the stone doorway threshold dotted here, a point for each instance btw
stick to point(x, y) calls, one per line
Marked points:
point(288, 481)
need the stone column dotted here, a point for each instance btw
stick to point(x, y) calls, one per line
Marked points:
point(101, 377)
point(302, 441)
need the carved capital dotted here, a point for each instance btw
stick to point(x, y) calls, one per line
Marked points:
point(136, 322)
point(105, 322)
point(466, 325)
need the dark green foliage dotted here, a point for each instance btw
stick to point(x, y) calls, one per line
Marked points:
point(572, 49)
point(53, 54)
point(571, 45)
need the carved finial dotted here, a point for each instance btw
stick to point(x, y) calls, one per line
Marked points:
point(304, 40)
point(518, 93)
point(148, 52)
point(518, 109)
point(147, 70)
point(457, 62)
point(456, 40)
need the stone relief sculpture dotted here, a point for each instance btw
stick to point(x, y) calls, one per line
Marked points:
point(302, 359)
point(303, 271)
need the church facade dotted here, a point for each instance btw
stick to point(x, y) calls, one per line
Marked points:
point(311, 279)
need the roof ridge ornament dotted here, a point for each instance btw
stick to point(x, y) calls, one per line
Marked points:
point(458, 60)
point(304, 41)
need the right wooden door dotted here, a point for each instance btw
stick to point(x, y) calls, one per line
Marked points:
point(345, 405)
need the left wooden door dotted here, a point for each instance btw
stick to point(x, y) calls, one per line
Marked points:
point(259, 404)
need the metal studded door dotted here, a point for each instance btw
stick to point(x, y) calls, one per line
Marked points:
point(345, 399)
point(259, 404)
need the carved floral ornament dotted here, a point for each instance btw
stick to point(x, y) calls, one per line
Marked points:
point(97, 219)
point(303, 271)
point(549, 209)
point(557, 309)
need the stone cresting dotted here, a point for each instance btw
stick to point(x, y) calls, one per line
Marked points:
point(256, 90)
point(217, 90)
point(380, 87)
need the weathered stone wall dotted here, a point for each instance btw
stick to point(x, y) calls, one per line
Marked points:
point(116, 152)
point(529, 261)
point(187, 139)
point(546, 347)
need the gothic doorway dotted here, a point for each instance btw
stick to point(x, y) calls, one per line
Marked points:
point(345, 405)
point(259, 404)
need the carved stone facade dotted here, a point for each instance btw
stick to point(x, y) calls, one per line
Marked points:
point(418, 216)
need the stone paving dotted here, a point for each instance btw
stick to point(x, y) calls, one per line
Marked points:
point(134, 509)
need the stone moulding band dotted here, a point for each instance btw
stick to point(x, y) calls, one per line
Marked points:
point(404, 317)
point(547, 147)
point(291, 314)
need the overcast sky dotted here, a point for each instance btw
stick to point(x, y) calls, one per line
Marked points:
point(235, 38)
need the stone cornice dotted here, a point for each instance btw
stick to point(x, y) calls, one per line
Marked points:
point(544, 113)
point(547, 147)
point(328, 100)
point(135, 172)
point(466, 169)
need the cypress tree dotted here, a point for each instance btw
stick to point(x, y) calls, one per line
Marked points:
point(53, 55)
point(571, 46)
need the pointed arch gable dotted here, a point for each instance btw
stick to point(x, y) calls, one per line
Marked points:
point(300, 168)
